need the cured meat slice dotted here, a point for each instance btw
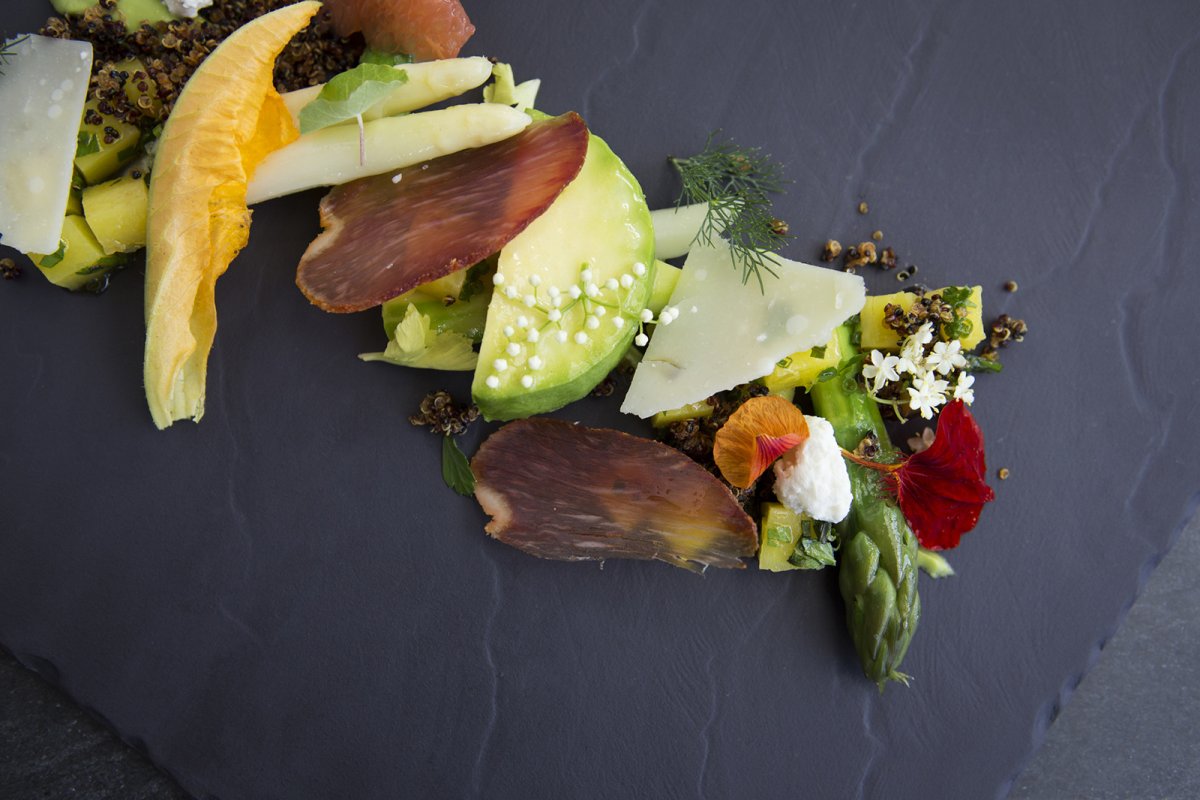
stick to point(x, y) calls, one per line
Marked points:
point(424, 29)
point(571, 493)
point(390, 233)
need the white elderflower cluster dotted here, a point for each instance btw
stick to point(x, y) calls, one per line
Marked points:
point(930, 376)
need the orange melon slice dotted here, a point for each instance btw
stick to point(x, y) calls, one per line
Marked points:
point(227, 119)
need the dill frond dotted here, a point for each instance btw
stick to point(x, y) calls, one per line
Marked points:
point(6, 53)
point(736, 183)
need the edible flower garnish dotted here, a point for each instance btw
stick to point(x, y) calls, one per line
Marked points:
point(917, 372)
point(759, 432)
point(941, 489)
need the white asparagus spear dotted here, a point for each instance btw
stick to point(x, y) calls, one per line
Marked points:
point(428, 82)
point(331, 155)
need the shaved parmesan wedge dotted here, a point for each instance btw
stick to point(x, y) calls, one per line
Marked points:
point(42, 92)
point(727, 333)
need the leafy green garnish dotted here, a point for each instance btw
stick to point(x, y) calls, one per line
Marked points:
point(505, 90)
point(456, 470)
point(415, 344)
point(736, 183)
point(370, 56)
point(349, 94)
point(53, 259)
point(87, 144)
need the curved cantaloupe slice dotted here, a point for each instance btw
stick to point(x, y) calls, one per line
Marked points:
point(228, 118)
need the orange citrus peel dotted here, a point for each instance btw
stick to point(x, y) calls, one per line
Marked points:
point(227, 119)
point(760, 431)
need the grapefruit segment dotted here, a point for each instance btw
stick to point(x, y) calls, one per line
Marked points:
point(226, 120)
point(424, 29)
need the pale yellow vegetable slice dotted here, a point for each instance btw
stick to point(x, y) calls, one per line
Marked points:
point(227, 118)
point(337, 154)
point(428, 82)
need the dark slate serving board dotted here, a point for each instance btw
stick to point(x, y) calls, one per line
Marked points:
point(285, 601)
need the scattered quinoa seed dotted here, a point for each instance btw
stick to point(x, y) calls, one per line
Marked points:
point(877, 236)
point(1010, 286)
point(779, 227)
point(832, 249)
point(1002, 473)
point(439, 413)
point(887, 258)
point(863, 208)
point(10, 269)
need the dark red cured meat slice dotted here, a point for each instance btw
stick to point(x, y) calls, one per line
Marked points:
point(384, 236)
point(570, 493)
point(424, 29)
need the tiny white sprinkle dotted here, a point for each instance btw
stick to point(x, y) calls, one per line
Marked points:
point(555, 315)
point(618, 322)
point(522, 322)
point(647, 315)
point(510, 291)
point(397, 178)
point(498, 279)
point(527, 381)
point(561, 336)
point(535, 280)
point(574, 291)
point(581, 338)
point(508, 331)
point(641, 340)
point(586, 275)
point(535, 363)
point(627, 280)
point(513, 349)
point(554, 291)
point(592, 323)
point(611, 284)
point(530, 300)
point(492, 382)
point(600, 311)
point(533, 335)
point(499, 365)
point(592, 290)
point(639, 269)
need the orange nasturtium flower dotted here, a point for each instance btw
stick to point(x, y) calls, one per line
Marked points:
point(760, 431)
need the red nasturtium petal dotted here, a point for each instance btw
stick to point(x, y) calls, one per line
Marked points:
point(571, 493)
point(941, 489)
point(760, 431)
point(424, 29)
point(385, 235)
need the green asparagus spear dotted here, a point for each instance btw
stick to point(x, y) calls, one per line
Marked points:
point(878, 563)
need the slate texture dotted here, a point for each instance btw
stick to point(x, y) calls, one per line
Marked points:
point(284, 601)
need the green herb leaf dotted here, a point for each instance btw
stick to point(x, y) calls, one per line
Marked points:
point(349, 94)
point(370, 56)
point(978, 364)
point(87, 143)
point(53, 259)
point(8, 49)
point(736, 183)
point(456, 470)
point(416, 344)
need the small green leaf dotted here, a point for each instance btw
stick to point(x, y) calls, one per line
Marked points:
point(978, 364)
point(54, 258)
point(349, 94)
point(88, 143)
point(370, 56)
point(414, 343)
point(818, 351)
point(456, 471)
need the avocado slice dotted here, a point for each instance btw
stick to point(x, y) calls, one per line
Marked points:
point(568, 295)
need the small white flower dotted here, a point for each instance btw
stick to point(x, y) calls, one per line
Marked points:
point(926, 394)
point(535, 363)
point(522, 322)
point(924, 334)
point(508, 331)
point(639, 269)
point(530, 300)
point(881, 370)
point(554, 291)
point(555, 315)
point(912, 359)
point(600, 311)
point(581, 338)
point(499, 365)
point(647, 315)
point(533, 335)
point(963, 390)
point(586, 275)
point(945, 357)
point(574, 291)
point(498, 279)
point(556, 301)
point(611, 284)
point(535, 280)
point(618, 322)
point(492, 382)
point(561, 336)
point(592, 323)
point(510, 292)
point(513, 349)
point(527, 381)
point(626, 280)
point(641, 340)
point(591, 289)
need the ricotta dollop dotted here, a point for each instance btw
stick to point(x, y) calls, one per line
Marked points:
point(812, 478)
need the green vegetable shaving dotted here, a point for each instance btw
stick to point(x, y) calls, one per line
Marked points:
point(505, 90)
point(456, 470)
point(349, 94)
point(88, 143)
point(736, 183)
point(416, 344)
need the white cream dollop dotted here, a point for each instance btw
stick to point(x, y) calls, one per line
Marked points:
point(186, 8)
point(812, 478)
